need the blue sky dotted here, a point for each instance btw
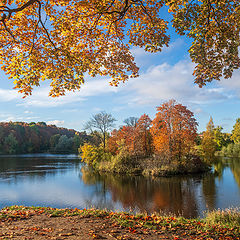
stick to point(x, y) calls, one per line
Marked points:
point(163, 76)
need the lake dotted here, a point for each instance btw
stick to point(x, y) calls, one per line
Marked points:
point(62, 181)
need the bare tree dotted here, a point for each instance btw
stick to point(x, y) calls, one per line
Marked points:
point(101, 122)
point(131, 121)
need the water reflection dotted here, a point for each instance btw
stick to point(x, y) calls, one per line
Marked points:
point(37, 180)
point(235, 167)
point(35, 166)
point(62, 181)
point(186, 195)
point(209, 191)
point(176, 194)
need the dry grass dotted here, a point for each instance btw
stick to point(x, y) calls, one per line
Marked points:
point(229, 217)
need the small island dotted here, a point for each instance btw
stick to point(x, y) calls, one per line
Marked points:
point(166, 145)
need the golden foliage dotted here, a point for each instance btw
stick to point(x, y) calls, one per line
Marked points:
point(63, 40)
point(136, 140)
point(209, 145)
point(236, 132)
point(214, 27)
point(122, 138)
point(89, 154)
point(142, 136)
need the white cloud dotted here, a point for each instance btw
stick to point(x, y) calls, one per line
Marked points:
point(55, 122)
point(32, 118)
point(163, 82)
point(10, 117)
point(197, 110)
point(6, 117)
point(7, 95)
point(95, 87)
point(28, 112)
point(158, 83)
point(73, 110)
point(97, 109)
point(232, 84)
point(92, 87)
point(40, 98)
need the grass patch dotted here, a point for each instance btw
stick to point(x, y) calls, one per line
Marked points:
point(228, 217)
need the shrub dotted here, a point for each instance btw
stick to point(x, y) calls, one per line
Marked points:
point(120, 163)
point(90, 154)
point(93, 155)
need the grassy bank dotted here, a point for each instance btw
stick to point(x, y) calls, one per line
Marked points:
point(147, 165)
point(152, 166)
point(45, 223)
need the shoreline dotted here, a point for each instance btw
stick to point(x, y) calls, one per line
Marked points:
point(18, 222)
point(154, 170)
point(155, 173)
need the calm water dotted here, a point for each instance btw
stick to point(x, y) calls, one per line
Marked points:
point(62, 181)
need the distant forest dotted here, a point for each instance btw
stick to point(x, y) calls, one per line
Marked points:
point(21, 137)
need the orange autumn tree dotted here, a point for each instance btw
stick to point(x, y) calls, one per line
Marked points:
point(135, 139)
point(112, 145)
point(142, 144)
point(124, 137)
point(173, 130)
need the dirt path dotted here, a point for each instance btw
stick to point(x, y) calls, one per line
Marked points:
point(76, 227)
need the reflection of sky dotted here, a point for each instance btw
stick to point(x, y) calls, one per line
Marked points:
point(59, 184)
point(60, 190)
point(228, 192)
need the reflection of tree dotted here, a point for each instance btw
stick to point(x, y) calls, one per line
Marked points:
point(208, 184)
point(175, 195)
point(235, 167)
point(209, 190)
point(218, 168)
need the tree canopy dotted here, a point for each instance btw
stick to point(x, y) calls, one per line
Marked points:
point(62, 41)
point(174, 129)
point(236, 132)
point(209, 145)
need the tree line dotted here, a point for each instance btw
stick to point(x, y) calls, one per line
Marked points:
point(21, 137)
point(172, 134)
point(214, 142)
